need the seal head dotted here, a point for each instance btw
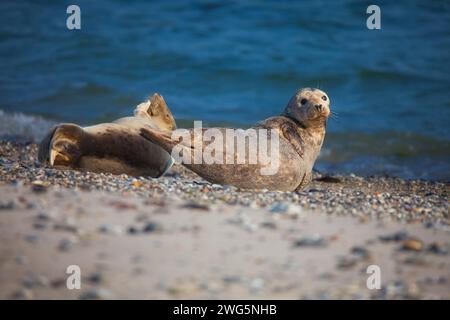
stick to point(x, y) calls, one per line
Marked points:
point(310, 107)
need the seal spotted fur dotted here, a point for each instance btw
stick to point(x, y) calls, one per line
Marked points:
point(301, 131)
point(113, 147)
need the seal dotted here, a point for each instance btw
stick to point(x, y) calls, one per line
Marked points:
point(115, 147)
point(300, 130)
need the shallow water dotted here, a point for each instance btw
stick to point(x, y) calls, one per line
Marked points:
point(237, 62)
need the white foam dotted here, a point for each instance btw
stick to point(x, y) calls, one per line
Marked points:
point(25, 126)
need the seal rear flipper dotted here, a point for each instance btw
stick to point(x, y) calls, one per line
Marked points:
point(44, 146)
point(155, 108)
point(62, 146)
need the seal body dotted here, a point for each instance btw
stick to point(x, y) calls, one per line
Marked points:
point(115, 147)
point(299, 133)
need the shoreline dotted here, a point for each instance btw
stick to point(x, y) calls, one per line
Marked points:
point(181, 237)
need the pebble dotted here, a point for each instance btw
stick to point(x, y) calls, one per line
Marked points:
point(95, 278)
point(21, 260)
point(150, 227)
point(133, 230)
point(360, 252)
point(256, 285)
point(412, 245)
point(32, 238)
point(111, 229)
point(438, 248)
point(346, 262)
point(397, 236)
point(269, 225)
point(96, 294)
point(6, 205)
point(68, 224)
point(312, 241)
point(35, 281)
point(39, 186)
point(23, 294)
point(66, 244)
point(44, 216)
point(286, 208)
point(39, 225)
point(196, 206)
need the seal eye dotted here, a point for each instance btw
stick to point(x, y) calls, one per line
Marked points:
point(303, 101)
point(324, 98)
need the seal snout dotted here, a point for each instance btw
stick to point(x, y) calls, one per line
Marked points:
point(318, 107)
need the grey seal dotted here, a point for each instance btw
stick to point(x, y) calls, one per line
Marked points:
point(300, 130)
point(115, 147)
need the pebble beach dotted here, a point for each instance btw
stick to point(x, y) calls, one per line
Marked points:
point(180, 237)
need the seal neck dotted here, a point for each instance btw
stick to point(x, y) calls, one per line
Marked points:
point(314, 125)
point(297, 122)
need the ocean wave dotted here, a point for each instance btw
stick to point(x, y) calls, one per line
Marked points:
point(23, 127)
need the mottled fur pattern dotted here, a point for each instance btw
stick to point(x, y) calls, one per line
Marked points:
point(301, 131)
point(113, 147)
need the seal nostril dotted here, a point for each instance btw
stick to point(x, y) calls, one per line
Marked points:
point(318, 107)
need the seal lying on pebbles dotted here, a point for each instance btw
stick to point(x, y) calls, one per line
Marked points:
point(300, 130)
point(113, 147)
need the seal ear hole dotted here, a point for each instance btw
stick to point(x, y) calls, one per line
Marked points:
point(303, 101)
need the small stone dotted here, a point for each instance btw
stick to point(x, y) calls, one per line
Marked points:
point(21, 260)
point(286, 208)
point(39, 186)
point(32, 238)
point(346, 262)
point(43, 216)
point(151, 227)
point(137, 183)
point(232, 279)
point(120, 205)
point(397, 236)
point(268, 225)
point(38, 225)
point(412, 245)
point(256, 285)
point(95, 278)
point(360, 252)
point(6, 205)
point(58, 283)
point(35, 281)
point(312, 241)
point(66, 244)
point(108, 229)
point(132, 230)
point(23, 294)
point(437, 248)
point(96, 294)
point(68, 224)
point(196, 206)
point(249, 226)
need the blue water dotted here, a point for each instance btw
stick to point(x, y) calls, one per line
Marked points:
point(237, 62)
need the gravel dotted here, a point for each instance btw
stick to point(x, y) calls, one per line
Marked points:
point(380, 197)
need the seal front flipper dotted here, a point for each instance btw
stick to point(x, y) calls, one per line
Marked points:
point(159, 137)
point(290, 134)
point(61, 146)
point(306, 179)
